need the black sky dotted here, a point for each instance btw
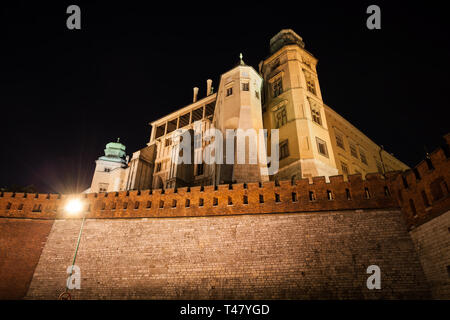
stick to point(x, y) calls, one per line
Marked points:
point(65, 94)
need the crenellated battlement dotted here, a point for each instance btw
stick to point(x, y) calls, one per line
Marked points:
point(423, 192)
point(251, 198)
point(395, 189)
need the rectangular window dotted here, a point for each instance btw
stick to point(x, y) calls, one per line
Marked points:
point(340, 141)
point(284, 149)
point(322, 147)
point(280, 117)
point(103, 187)
point(168, 142)
point(257, 94)
point(229, 91)
point(158, 167)
point(245, 86)
point(316, 116)
point(310, 83)
point(344, 168)
point(362, 154)
point(353, 151)
point(200, 168)
point(277, 87)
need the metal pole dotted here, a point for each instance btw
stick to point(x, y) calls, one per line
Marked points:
point(76, 249)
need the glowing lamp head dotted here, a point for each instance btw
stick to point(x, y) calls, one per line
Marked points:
point(74, 206)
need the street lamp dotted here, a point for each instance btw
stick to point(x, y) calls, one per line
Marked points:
point(73, 207)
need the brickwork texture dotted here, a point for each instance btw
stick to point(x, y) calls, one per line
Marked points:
point(268, 256)
point(286, 239)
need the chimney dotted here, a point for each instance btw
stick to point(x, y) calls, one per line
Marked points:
point(208, 87)
point(195, 94)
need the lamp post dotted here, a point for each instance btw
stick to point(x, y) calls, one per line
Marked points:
point(73, 207)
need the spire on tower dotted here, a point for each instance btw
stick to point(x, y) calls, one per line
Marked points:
point(241, 61)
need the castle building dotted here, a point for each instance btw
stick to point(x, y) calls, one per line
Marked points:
point(284, 94)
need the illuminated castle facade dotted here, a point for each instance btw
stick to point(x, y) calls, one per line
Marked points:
point(284, 94)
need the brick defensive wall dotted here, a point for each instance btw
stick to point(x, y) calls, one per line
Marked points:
point(271, 240)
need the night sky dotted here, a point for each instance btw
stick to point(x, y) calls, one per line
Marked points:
point(66, 93)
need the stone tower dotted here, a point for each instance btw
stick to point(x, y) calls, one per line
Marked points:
point(238, 106)
point(293, 104)
point(110, 170)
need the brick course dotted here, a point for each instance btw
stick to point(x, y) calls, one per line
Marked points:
point(266, 256)
point(21, 243)
point(317, 223)
point(432, 242)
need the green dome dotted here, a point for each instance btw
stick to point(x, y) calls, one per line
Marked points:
point(115, 151)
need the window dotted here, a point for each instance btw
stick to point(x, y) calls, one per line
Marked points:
point(310, 83)
point(330, 195)
point(284, 149)
point(340, 141)
point(277, 88)
point(316, 115)
point(158, 167)
point(280, 117)
point(379, 167)
point(277, 197)
point(348, 194)
point(257, 94)
point(322, 147)
point(107, 169)
point(353, 151)
point(344, 168)
point(245, 86)
point(168, 142)
point(200, 168)
point(103, 187)
point(362, 154)
point(229, 91)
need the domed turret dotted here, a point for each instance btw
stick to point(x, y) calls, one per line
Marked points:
point(115, 152)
